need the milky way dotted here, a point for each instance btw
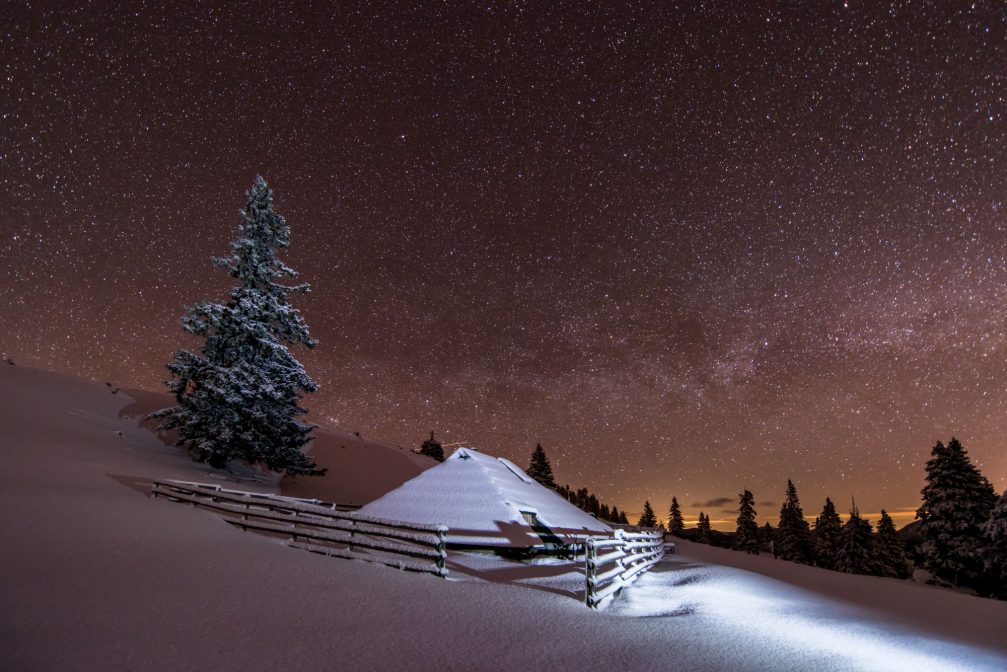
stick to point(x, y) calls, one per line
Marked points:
point(688, 249)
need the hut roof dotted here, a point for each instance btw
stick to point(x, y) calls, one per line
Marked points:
point(486, 501)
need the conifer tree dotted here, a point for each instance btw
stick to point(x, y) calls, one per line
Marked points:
point(615, 517)
point(957, 502)
point(747, 536)
point(704, 529)
point(623, 520)
point(766, 537)
point(237, 399)
point(605, 514)
point(648, 519)
point(825, 536)
point(540, 469)
point(889, 554)
point(855, 554)
point(432, 448)
point(793, 540)
point(996, 549)
point(675, 522)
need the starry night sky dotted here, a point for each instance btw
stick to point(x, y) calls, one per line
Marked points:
point(689, 247)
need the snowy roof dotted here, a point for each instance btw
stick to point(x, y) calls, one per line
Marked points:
point(483, 501)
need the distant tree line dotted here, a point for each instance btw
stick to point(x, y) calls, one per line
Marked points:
point(540, 470)
point(962, 530)
point(853, 547)
point(588, 501)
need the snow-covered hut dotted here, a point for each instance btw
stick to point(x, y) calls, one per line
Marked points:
point(487, 502)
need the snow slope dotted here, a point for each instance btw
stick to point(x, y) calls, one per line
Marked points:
point(777, 626)
point(96, 575)
point(915, 605)
point(360, 469)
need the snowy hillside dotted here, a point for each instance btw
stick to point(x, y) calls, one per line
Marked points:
point(96, 575)
point(76, 417)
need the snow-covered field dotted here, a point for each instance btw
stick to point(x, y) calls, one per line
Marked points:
point(96, 575)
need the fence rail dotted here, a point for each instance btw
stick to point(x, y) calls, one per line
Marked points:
point(320, 529)
point(266, 495)
point(629, 554)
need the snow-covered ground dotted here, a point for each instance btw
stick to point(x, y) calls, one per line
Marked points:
point(778, 625)
point(94, 574)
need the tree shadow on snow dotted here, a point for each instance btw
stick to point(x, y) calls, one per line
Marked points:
point(137, 484)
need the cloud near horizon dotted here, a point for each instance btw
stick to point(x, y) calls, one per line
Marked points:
point(714, 503)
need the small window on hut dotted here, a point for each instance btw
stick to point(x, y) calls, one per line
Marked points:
point(541, 529)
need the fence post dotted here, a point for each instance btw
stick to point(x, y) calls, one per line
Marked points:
point(590, 556)
point(621, 560)
point(442, 550)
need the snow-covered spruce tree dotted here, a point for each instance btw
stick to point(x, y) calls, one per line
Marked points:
point(237, 399)
point(432, 448)
point(957, 502)
point(889, 555)
point(648, 519)
point(747, 536)
point(793, 536)
point(704, 529)
point(825, 535)
point(540, 469)
point(675, 522)
point(996, 549)
point(855, 554)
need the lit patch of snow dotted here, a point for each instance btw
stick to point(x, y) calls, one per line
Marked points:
point(774, 619)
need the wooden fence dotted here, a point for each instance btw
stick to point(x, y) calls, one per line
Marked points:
point(321, 529)
point(206, 487)
point(614, 562)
